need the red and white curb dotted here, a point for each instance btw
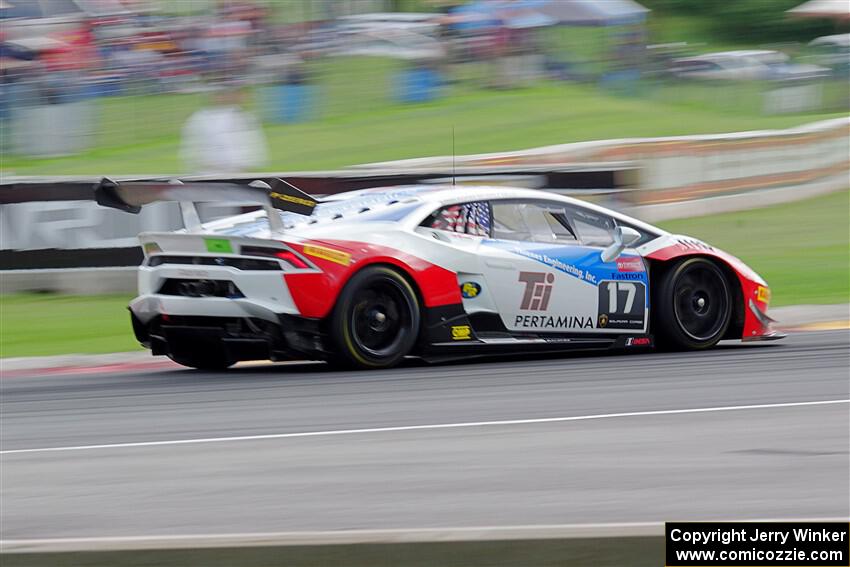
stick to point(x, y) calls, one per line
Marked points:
point(114, 363)
point(118, 363)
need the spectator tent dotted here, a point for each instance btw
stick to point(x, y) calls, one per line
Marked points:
point(594, 12)
point(32, 9)
point(564, 12)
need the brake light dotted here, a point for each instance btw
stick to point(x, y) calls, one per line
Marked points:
point(287, 256)
point(291, 258)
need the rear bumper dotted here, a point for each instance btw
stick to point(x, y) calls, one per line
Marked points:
point(242, 329)
point(148, 306)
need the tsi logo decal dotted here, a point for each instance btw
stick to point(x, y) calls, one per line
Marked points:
point(538, 290)
point(470, 290)
point(461, 332)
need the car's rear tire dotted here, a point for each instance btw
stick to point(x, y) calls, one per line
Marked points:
point(376, 320)
point(693, 304)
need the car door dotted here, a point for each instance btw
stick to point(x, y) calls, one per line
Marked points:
point(622, 283)
point(543, 267)
point(454, 234)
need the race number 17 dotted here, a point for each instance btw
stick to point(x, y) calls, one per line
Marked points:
point(614, 291)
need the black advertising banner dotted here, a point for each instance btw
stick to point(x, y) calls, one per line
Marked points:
point(757, 544)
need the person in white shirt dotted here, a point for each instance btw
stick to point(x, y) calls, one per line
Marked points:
point(223, 138)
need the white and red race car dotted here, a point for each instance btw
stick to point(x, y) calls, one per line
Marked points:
point(369, 277)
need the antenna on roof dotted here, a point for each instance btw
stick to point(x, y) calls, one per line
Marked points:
point(453, 156)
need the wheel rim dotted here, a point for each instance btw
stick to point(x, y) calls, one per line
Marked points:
point(380, 319)
point(701, 302)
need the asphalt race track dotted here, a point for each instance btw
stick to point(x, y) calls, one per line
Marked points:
point(742, 431)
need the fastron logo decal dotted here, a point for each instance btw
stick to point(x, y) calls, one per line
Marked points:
point(538, 290)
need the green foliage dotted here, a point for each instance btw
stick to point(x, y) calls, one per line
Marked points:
point(748, 21)
point(683, 7)
point(758, 20)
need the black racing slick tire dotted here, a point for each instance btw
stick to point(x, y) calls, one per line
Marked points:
point(693, 304)
point(375, 323)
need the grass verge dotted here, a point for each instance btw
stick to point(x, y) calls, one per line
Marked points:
point(43, 324)
point(802, 249)
point(141, 134)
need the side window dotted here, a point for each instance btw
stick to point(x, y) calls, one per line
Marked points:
point(466, 218)
point(531, 222)
point(594, 229)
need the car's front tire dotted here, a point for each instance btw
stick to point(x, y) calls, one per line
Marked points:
point(694, 305)
point(376, 320)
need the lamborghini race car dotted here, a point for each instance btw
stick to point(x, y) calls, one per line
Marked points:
point(369, 277)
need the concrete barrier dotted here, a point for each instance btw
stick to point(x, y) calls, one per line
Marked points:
point(735, 202)
point(687, 168)
point(75, 281)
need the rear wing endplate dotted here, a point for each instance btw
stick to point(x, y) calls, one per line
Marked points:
point(274, 195)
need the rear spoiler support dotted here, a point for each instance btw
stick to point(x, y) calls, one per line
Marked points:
point(276, 195)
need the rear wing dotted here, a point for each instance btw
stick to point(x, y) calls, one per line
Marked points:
point(275, 195)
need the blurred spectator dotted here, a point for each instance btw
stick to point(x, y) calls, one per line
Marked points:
point(223, 137)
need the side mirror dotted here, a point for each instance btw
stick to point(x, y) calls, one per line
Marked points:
point(623, 238)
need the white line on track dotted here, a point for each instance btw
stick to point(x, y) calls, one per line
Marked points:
point(360, 536)
point(460, 425)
